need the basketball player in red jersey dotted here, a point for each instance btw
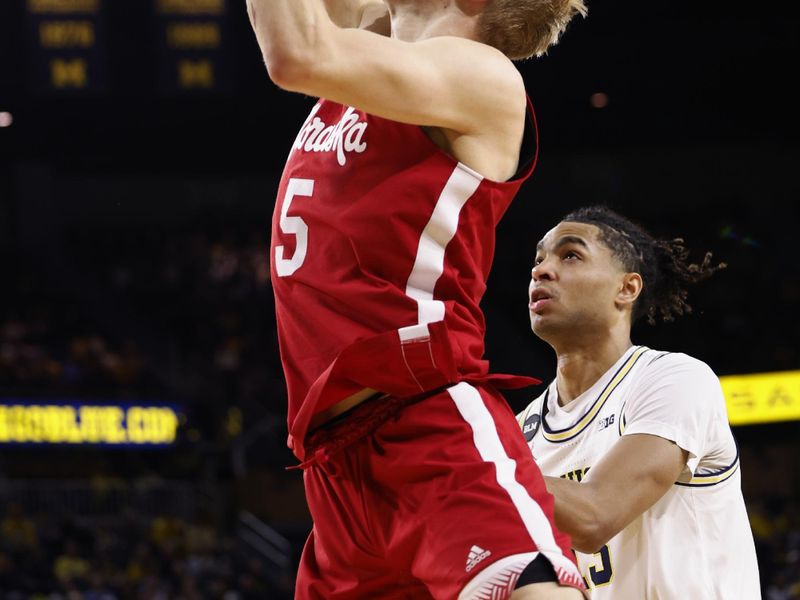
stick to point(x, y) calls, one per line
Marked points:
point(418, 479)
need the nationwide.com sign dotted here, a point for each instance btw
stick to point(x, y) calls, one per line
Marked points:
point(87, 424)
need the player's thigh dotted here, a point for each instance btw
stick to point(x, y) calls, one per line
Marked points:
point(486, 509)
point(337, 572)
point(546, 591)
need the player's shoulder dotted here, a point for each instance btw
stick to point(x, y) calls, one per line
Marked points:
point(484, 60)
point(659, 364)
point(485, 93)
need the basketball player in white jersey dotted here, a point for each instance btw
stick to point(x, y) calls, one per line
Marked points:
point(634, 443)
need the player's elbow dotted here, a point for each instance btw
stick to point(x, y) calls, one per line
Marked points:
point(289, 70)
point(300, 65)
point(594, 528)
point(591, 536)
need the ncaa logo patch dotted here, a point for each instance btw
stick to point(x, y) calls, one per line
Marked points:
point(531, 426)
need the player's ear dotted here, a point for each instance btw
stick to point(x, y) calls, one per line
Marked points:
point(630, 289)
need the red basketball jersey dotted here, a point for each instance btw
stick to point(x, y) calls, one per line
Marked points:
point(381, 247)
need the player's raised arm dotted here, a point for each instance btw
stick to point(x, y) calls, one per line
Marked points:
point(429, 83)
point(355, 14)
point(629, 479)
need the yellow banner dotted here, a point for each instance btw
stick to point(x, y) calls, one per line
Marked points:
point(85, 424)
point(762, 398)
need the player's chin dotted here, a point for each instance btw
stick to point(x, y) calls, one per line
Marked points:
point(540, 323)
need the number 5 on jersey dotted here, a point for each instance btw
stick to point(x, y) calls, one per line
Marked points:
point(293, 226)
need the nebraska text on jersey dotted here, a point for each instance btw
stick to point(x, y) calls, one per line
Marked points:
point(345, 136)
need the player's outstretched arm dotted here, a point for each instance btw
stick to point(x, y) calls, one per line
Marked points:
point(637, 471)
point(445, 82)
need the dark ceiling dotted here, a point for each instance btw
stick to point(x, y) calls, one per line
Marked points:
point(675, 74)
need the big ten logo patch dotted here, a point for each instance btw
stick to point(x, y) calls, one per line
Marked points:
point(605, 422)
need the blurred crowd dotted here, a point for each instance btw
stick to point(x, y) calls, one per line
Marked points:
point(776, 528)
point(132, 556)
point(769, 483)
point(48, 346)
point(203, 302)
point(146, 315)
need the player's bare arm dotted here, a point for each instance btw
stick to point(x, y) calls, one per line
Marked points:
point(469, 90)
point(637, 471)
point(357, 14)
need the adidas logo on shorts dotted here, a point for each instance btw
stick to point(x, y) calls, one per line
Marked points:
point(476, 555)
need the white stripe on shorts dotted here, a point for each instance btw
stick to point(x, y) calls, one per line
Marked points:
point(484, 433)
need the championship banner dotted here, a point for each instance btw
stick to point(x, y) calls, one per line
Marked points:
point(66, 41)
point(192, 41)
point(763, 397)
point(44, 423)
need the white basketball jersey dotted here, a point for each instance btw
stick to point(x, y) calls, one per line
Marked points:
point(695, 543)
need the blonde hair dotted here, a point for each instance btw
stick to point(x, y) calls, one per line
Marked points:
point(524, 28)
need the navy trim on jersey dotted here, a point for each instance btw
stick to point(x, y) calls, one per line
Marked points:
point(659, 357)
point(714, 477)
point(602, 398)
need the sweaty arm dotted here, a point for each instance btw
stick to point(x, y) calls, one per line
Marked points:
point(447, 82)
point(632, 476)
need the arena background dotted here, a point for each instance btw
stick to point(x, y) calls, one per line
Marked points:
point(140, 149)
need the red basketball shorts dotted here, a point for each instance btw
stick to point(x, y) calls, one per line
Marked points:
point(441, 500)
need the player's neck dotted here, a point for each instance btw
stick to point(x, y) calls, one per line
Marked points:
point(413, 20)
point(581, 364)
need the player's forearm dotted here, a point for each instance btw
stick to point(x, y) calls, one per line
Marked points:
point(292, 34)
point(577, 513)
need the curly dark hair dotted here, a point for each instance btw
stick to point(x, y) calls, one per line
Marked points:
point(663, 264)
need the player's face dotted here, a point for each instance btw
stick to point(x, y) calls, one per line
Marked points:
point(575, 282)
